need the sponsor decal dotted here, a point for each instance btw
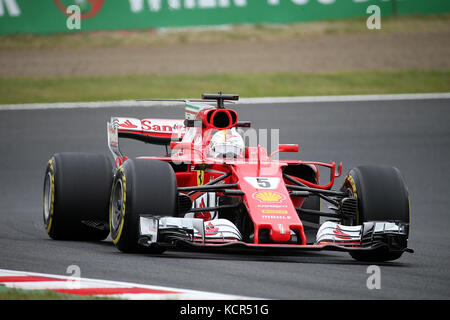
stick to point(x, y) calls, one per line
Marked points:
point(137, 6)
point(199, 202)
point(112, 136)
point(276, 217)
point(89, 8)
point(263, 205)
point(178, 127)
point(263, 182)
point(200, 177)
point(127, 124)
point(210, 229)
point(111, 129)
point(11, 7)
point(268, 196)
point(159, 126)
point(341, 235)
point(275, 211)
point(192, 109)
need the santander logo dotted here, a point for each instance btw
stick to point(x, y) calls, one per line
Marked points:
point(89, 8)
point(210, 229)
point(128, 124)
point(341, 235)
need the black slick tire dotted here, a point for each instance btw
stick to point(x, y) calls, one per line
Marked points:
point(382, 196)
point(76, 196)
point(140, 186)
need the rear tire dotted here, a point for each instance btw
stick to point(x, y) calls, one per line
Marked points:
point(76, 196)
point(141, 186)
point(382, 196)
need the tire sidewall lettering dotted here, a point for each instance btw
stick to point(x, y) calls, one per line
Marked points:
point(117, 233)
point(51, 170)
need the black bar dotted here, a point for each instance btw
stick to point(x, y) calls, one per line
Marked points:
point(315, 190)
point(217, 96)
point(334, 202)
point(145, 138)
point(193, 123)
point(207, 187)
point(218, 179)
point(299, 194)
point(319, 213)
point(233, 192)
point(227, 206)
point(220, 98)
point(243, 124)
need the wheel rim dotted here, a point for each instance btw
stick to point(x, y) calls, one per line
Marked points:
point(350, 188)
point(48, 195)
point(116, 205)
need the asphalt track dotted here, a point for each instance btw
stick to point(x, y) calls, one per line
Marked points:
point(413, 135)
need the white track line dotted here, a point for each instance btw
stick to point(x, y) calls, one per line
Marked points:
point(349, 98)
point(71, 285)
point(243, 101)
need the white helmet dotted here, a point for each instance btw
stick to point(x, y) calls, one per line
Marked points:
point(226, 144)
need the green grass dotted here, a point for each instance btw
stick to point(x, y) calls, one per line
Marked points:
point(229, 34)
point(43, 90)
point(18, 294)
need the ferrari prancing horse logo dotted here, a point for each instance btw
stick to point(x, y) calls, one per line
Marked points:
point(200, 177)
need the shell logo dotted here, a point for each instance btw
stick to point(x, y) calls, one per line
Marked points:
point(268, 196)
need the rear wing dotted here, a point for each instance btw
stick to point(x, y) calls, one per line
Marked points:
point(155, 131)
point(165, 131)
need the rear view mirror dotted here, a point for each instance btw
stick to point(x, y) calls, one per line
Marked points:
point(285, 148)
point(288, 148)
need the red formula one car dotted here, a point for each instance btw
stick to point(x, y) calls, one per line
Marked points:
point(212, 191)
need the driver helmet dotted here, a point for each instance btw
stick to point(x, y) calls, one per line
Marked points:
point(226, 144)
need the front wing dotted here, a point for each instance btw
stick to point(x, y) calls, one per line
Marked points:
point(222, 235)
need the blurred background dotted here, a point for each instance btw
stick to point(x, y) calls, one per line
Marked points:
point(130, 49)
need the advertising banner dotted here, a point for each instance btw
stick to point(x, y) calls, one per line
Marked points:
point(53, 16)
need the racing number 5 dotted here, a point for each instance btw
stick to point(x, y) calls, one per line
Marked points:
point(263, 182)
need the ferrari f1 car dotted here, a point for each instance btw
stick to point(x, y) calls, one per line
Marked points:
point(211, 191)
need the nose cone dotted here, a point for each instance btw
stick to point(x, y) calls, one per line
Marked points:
point(280, 232)
point(268, 203)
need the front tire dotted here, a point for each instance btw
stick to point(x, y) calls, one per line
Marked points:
point(140, 186)
point(382, 196)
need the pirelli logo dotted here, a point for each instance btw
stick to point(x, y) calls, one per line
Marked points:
point(276, 217)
